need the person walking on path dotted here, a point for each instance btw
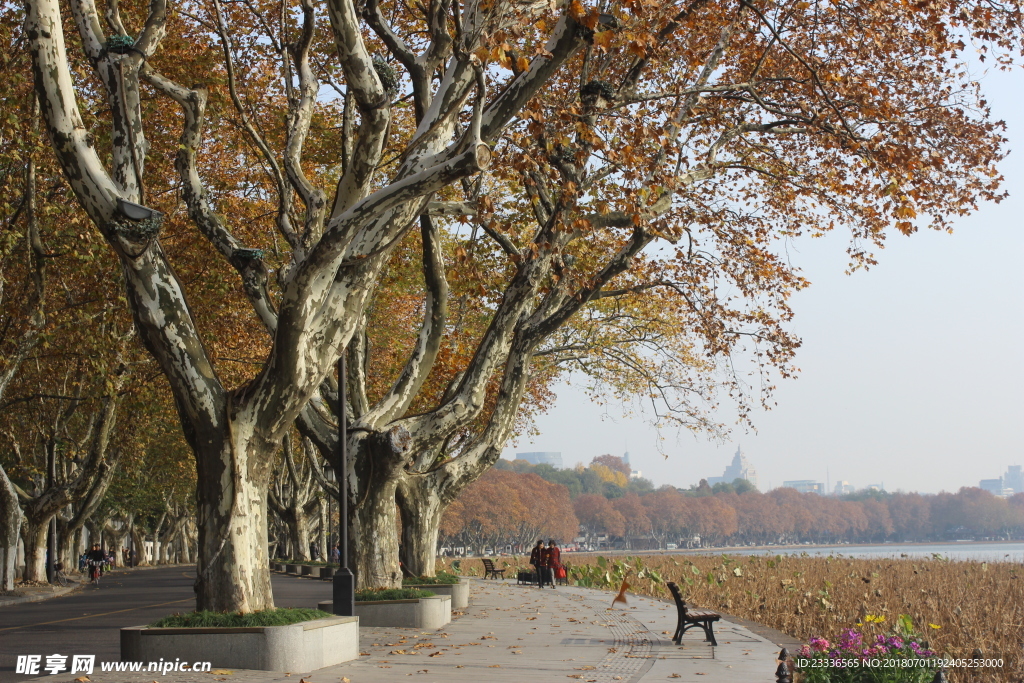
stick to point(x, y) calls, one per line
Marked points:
point(555, 562)
point(545, 567)
point(537, 558)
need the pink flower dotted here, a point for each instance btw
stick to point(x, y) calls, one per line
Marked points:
point(819, 644)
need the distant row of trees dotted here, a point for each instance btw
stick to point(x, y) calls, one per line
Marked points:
point(520, 502)
point(504, 508)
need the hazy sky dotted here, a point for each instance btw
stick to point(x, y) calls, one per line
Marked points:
point(912, 372)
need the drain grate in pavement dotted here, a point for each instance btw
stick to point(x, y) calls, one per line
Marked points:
point(631, 649)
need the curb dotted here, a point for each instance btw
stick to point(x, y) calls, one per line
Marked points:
point(38, 597)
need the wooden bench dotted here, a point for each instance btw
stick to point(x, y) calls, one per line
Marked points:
point(490, 572)
point(692, 618)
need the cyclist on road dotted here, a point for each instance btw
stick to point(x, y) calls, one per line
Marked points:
point(96, 559)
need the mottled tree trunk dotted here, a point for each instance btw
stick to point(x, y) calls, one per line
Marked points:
point(373, 539)
point(298, 533)
point(33, 534)
point(323, 533)
point(421, 509)
point(11, 519)
point(234, 570)
point(373, 516)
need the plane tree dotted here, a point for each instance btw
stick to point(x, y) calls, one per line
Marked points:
point(636, 166)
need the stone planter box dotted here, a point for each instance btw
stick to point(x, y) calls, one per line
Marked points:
point(305, 646)
point(459, 592)
point(426, 614)
point(306, 570)
point(292, 569)
point(326, 572)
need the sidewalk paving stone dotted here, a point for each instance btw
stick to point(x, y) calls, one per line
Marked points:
point(512, 633)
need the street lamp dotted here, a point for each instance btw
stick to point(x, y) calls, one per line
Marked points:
point(344, 581)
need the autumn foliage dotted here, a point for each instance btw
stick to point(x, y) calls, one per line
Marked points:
point(506, 508)
point(646, 519)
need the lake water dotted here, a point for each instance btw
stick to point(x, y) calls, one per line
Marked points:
point(989, 552)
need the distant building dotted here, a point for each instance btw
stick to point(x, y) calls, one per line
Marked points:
point(996, 487)
point(842, 488)
point(542, 458)
point(875, 487)
point(633, 474)
point(1014, 478)
point(739, 469)
point(805, 486)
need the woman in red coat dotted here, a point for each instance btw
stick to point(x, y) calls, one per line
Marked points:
point(554, 561)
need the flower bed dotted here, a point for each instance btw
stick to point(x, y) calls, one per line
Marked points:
point(899, 656)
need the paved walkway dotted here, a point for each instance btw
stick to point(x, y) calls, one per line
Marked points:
point(515, 633)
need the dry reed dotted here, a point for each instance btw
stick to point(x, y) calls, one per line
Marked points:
point(975, 605)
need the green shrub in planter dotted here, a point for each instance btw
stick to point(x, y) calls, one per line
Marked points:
point(269, 617)
point(442, 577)
point(374, 594)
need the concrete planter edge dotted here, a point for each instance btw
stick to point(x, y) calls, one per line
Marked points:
point(459, 592)
point(423, 613)
point(303, 646)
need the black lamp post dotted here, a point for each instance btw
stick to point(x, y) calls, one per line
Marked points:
point(344, 581)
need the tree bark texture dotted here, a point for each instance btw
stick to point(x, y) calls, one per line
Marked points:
point(11, 520)
point(421, 508)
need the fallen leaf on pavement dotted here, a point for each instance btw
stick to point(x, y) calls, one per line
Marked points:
point(82, 679)
point(225, 672)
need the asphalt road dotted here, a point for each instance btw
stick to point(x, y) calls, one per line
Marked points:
point(86, 622)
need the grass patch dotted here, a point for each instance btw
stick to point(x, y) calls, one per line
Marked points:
point(441, 578)
point(268, 617)
point(372, 594)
